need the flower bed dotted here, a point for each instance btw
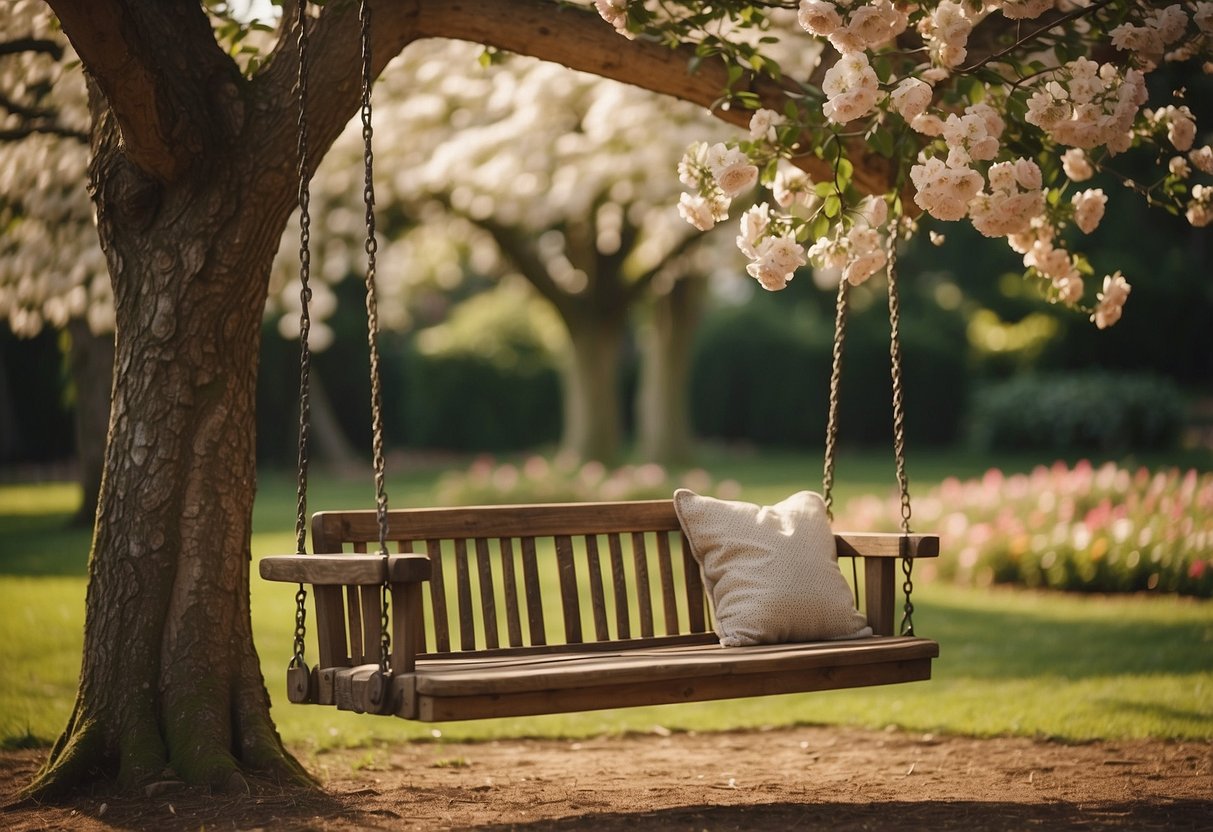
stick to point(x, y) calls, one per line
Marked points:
point(1105, 529)
point(564, 480)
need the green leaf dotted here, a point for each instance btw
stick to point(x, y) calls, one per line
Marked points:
point(823, 189)
point(883, 68)
point(881, 141)
point(819, 227)
point(832, 206)
point(844, 170)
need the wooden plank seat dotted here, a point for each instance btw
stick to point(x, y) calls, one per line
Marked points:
point(471, 618)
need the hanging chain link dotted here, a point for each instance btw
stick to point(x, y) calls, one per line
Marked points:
point(899, 438)
point(305, 326)
point(831, 452)
point(840, 331)
point(372, 325)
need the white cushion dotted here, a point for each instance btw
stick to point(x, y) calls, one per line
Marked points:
point(771, 571)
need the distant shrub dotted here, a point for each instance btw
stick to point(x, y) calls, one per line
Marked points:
point(538, 479)
point(1086, 529)
point(1091, 411)
point(762, 376)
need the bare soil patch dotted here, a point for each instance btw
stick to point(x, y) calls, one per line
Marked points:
point(799, 778)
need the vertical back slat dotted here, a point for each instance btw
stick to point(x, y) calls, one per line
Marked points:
point(623, 626)
point(354, 609)
point(513, 622)
point(534, 600)
point(694, 583)
point(488, 600)
point(569, 601)
point(330, 626)
point(405, 547)
point(669, 600)
point(880, 594)
point(442, 624)
point(644, 598)
point(371, 622)
point(597, 595)
point(463, 596)
point(353, 606)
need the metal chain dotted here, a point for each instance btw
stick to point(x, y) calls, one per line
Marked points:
point(899, 439)
point(840, 331)
point(831, 452)
point(372, 324)
point(305, 325)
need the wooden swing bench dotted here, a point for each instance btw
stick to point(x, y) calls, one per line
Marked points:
point(635, 624)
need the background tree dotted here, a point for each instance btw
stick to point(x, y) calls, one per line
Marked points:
point(52, 272)
point(556, 177)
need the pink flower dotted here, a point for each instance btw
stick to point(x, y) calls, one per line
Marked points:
point(1111, 300)
point(1074, 163)
point(851, 87)
point(1089, 209)
point(910, 98)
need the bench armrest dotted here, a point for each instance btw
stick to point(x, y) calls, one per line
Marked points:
point(885, 545)
point(345, 570)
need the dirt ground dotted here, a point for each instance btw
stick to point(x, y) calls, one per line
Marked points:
point(800, 778)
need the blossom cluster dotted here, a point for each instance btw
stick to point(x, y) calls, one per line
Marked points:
point(563, 478)
point(1079, 527)
point(52, 268)
point(996, 133)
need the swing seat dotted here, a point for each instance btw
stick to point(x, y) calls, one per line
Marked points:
point(477, 591)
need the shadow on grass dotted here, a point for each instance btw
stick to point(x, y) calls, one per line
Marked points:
point(935, 815)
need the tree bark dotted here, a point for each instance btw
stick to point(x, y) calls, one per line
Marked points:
point(664, 433)
point(170, 684)
point(91, 359)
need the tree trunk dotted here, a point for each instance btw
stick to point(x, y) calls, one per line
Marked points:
point(170, 683)
point(91, 359)
point(592, 406)
point(663, 412)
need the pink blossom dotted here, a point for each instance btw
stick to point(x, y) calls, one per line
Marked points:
point(1089, 209)
point(1111, 300)
point(1074, 163)
point(910, 98)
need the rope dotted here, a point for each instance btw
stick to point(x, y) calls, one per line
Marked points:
point(899, 438)
point(305, 326)
point(372, 324)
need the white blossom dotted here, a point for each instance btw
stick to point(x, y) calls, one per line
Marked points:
point(1076, 166)
point(1089, 209)
point(851, 86)
point(1111, 300)
point(910, 98)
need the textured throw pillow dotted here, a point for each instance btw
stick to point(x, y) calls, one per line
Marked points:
point(771, 571)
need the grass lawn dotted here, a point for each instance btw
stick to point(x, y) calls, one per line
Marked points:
point(1071, 667)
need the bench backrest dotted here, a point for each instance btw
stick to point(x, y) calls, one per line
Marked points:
point(531, 575)
point(526, 576)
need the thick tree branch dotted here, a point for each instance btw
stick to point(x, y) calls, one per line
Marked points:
point(42, 45)
point(576, 38)
point(642, 283)
point(47, 129)
point(159, 68)
point(580, 39)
